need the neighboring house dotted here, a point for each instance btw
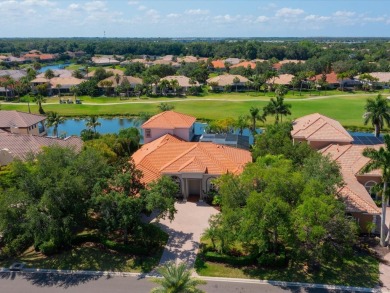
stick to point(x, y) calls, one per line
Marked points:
point(138, 60)
point(63, 84)
point(245, 64)
point(133, 81)
point(330, 138)
point(166, 62)
point(14, 74)
point(218, 83)
point(35, 55)
point(229, 139)
point(319, 131)
point(189, 59)
point(283, 79)
point(350, 84)
point(383, 79)
point(105, 60)
point(183, 81)
point(169, 122)
point(17, 146)
point(12, 59)
point(22, 123)
point(233, 61)
point(219, 64)
point(331, 79)
point(192, 165)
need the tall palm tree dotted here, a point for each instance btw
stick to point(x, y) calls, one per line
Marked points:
point(278, 108)
point(53, 119)
point(39, 99)
point(242, 123)
point(378, 112)
point(254, 116)
point(380, 159)
point(93, 122)
point(176, 279)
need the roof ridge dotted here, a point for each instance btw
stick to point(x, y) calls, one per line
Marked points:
point(218, 162)
point(178, 157)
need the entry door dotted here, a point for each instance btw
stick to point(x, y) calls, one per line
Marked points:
point(194, 187)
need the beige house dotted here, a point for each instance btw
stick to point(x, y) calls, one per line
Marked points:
point(169, 122)
point(17, 146)
point(192, 165)
point(283, 79)
point(219, 82)
point(183, 82)
point(22, 123)
point(329, 137)
point(55, 84)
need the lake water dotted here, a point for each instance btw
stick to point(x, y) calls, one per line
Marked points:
point(75, 126)
point(53, 67)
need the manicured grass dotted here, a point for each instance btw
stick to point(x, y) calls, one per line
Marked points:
point(347, 108)
point(360, 270)
point(86, 258)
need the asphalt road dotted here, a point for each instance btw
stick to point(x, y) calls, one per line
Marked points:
point(53, 283)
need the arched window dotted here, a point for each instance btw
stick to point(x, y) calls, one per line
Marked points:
point(369, 187)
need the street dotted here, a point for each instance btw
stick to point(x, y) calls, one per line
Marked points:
point(11, 282)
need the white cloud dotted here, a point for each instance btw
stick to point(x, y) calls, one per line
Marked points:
point(173, 15)
point(261, 19)
point(132, 2)
point(95, 6)
point(319, 18)
point(142, 7)
point(289, 12)
point(197, 12)
point(227, 18)
point(344, 13)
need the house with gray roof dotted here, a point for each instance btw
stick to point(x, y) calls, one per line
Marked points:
point(22, 123)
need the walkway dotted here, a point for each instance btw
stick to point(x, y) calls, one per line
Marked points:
point(185, 231)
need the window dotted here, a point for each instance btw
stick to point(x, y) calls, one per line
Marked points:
point(148, 133)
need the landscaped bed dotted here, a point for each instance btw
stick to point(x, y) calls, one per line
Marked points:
point(91, 252)
point(361, 270)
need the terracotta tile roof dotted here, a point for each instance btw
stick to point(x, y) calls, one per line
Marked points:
point(18, 119)
point(59, 73)
point(245, 64)
point(40, 80)
point(218, 64)
point(227, 79)
point(169, 120)
point(279, 65)
point(169, 155)
point(317, 127)
point(183, 81)
point(283, 79)
point(331, 78)
point(20, 145)
point(351, 161)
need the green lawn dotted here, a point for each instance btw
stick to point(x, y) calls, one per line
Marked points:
point(86, 258)
point(361, 271)
point(347, 108)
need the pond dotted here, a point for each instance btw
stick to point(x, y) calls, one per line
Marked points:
point(54, 67)
point(113, 125)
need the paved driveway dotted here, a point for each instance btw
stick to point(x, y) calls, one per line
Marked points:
point(185, 231)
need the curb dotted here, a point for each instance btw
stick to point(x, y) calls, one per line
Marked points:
point(214, 279)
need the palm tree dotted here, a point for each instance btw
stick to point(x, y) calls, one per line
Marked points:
point(53, 119)
point(378, 112)
point(39, 99)
point(165, 107)
point(380, 159)
point(93, 122)
point(254, 116)
point(242, 123)
point(49, 74)
point(176, 279)
point(278, 108)
point(236, 81)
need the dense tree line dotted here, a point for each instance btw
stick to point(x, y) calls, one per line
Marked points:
point(373, 50)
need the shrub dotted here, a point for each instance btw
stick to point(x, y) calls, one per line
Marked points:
point(228, 259)
point(48, 248)
point(17, 246)
point(272, 260)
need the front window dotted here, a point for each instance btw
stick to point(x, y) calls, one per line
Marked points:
point(370, 188)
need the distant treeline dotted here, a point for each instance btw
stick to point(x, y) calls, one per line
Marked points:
point(304, 49)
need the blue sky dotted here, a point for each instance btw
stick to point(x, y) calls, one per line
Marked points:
point(190, 18)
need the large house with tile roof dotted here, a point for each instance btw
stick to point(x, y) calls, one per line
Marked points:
point(168, 150)
point(169, 122)
point(329, 137)
point(22, 123)
point(193, 165)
